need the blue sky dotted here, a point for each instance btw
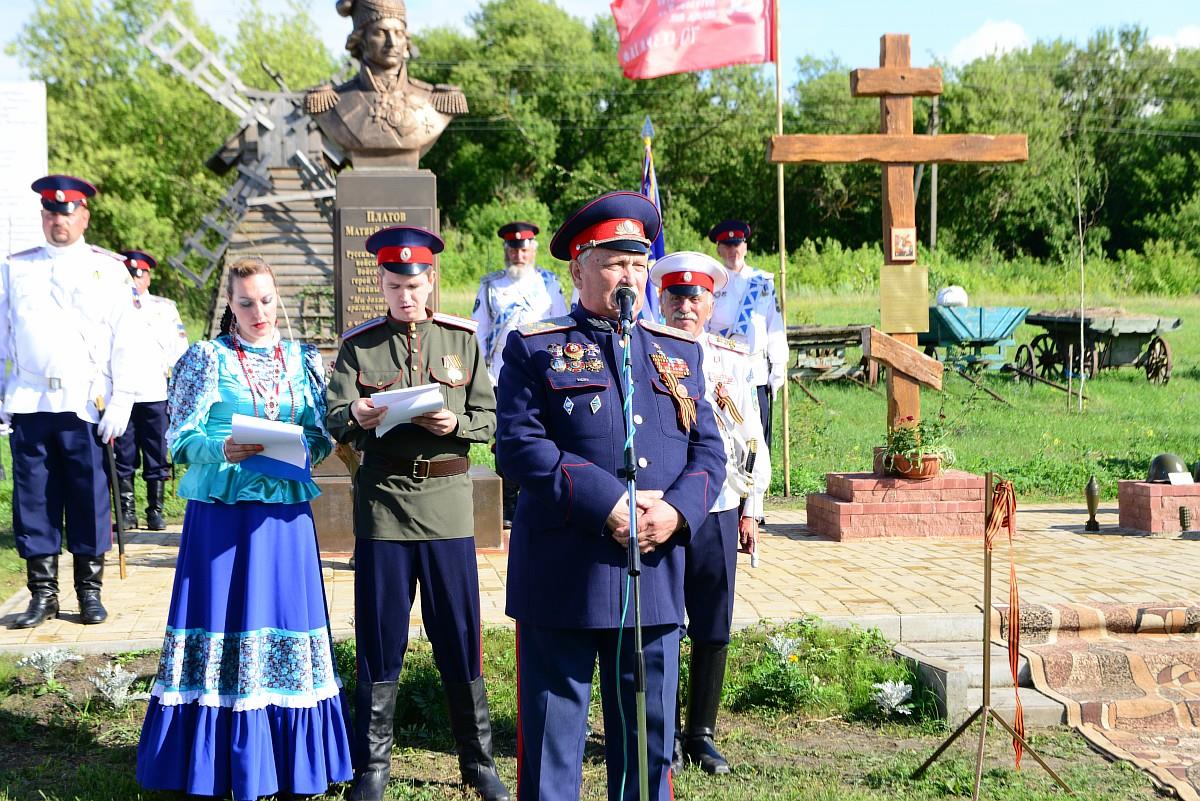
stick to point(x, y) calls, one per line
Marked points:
point(953, 30)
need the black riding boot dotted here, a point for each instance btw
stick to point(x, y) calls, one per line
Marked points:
point(89, 576)
point(128, 512)
point(472, 727)
point(374, 718)
point(704, 698)
point(154, 505)
point(42, 579)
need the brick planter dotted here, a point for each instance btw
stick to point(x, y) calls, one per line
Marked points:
point(862, 505)
point(1154, 508)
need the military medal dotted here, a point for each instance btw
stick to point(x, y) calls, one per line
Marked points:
point(574, 353)
point(591, 358)
point(726, 404)
point(595, 404)
point(556, 358)
point(453, 365)
point(670, 370)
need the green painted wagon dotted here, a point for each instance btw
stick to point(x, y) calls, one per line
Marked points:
point(1111, 339)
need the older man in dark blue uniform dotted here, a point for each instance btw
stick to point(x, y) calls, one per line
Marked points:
point(561, 434)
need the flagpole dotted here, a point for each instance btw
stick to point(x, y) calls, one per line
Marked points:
point(787, 423)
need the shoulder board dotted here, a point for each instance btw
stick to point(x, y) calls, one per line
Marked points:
point(455, 322)
point(109, 253)
point(666, 331)
point(25, 253)
point(728, 344)
point(564, 323)
point(492, 276)
point(417, 82)
point(364, 326)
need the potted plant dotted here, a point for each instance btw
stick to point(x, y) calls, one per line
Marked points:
point(916, 449)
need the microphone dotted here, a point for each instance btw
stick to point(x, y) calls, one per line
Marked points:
point(625, 298)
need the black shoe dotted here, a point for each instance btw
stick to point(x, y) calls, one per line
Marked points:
point(154, 505)
point(704, 700)
point(89, 577)
point(374, 718)
point(42, 579)
point(128, 510)
point(472, 728)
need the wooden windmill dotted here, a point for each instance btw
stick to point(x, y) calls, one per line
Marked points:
point(280, 205)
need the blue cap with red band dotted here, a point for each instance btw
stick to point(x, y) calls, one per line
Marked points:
point(63, 194)
point(405, 249)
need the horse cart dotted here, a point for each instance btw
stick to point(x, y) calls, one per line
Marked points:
point(818, 353)
point(963, 336)
point(1111, 339)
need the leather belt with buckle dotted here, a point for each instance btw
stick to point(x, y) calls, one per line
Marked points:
point(418, 468)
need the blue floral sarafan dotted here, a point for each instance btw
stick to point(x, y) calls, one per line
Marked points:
point(247, 700)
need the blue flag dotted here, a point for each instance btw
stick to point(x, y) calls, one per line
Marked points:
point(658, 247)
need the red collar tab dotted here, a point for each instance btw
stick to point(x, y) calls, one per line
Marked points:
point(607, 231)
point(404, 254)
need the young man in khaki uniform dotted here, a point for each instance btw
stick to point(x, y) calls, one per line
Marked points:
point(412, 508)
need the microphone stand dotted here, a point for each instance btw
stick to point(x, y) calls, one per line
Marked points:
point(633, 554)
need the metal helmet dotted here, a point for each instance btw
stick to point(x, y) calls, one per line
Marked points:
point(1163, 464)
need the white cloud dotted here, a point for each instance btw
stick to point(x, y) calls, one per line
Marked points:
point(991, 38)
point(1186, 37)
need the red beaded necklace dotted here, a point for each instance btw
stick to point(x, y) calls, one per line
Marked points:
point(259, 384)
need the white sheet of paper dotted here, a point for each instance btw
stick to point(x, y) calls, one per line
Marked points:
point(1180, 478)
point(405, 404)
point(282, 441)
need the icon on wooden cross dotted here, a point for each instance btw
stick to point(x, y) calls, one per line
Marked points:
point(904, 244)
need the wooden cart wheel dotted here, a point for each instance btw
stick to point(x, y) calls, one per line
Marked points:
point(1091, 362)
point(1046, 358)
point(1158, 361)
point(1023, 361)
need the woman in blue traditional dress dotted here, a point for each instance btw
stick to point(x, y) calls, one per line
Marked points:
point(247, 699)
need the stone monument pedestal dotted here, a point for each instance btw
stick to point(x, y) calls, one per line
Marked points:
point(333, 510)
point(865, 505)
point(1154, 507)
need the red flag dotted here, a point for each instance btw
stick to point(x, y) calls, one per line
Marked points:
point(662, 37)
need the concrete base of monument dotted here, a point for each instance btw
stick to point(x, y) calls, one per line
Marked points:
point(333, 513)
point(864, 505)
point(1154, 508)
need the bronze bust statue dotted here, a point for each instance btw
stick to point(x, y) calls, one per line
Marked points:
point(381, 117)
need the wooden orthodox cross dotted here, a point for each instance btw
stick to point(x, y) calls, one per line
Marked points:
point(903, 284)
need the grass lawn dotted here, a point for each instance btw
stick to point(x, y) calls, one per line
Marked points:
point(66, 744)
point(1047, 449)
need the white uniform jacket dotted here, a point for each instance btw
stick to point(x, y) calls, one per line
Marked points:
point(504, 304)
point(68, 330)
point(745, 311)
point(166, 341)
point(734, 400)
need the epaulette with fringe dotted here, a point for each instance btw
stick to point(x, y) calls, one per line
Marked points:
point(564, 323)
point(366, 325)
point(667, 331)
point(728, 344)
point(455, 322)
point(321, 99)
point(449, 99)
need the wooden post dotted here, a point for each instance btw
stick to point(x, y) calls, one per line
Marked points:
point(898, 149)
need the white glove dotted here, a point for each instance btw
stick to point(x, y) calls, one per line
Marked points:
point(115, 420)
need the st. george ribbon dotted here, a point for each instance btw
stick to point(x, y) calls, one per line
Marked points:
point(625, 300)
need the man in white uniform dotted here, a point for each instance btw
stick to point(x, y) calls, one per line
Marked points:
point(145, 440)
point(68, 329)
point(746, 312)
point(688, 282)
point(520, 294)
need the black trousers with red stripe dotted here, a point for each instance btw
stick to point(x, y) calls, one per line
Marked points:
point(386, 576)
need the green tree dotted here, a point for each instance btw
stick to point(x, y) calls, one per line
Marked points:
point(286, 42)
